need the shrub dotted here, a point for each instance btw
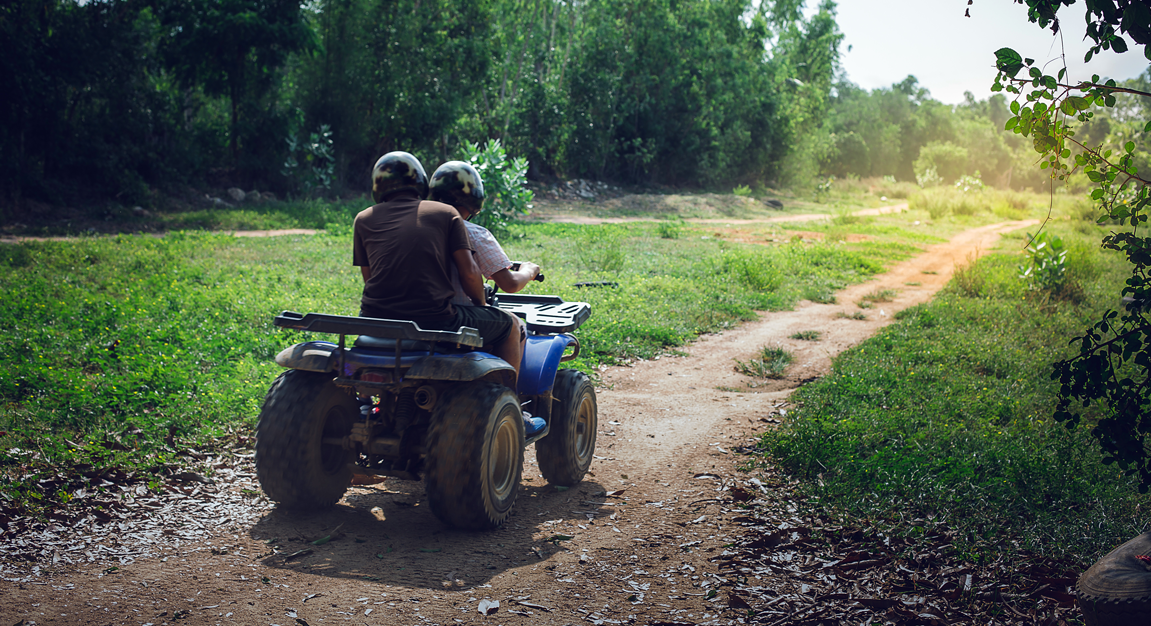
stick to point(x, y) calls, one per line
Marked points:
point(969, 184)
point(670, 229)
point(505, 185)
point(311, 162)
point(941, 202)
point(769, 363)
point(928, 178)
point(947, 159)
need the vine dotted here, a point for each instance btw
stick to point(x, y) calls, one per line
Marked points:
point(1113, 365)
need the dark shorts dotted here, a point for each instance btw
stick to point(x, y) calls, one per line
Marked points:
point(494, 325)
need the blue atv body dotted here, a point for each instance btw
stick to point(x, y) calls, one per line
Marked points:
point(406, 402)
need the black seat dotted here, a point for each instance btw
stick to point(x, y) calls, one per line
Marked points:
point(407, 345)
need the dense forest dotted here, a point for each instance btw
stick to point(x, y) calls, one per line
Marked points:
point(121, 100)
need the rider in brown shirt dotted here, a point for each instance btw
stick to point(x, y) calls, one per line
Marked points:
point(403, 245)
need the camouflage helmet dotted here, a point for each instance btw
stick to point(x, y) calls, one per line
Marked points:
point(398, 171)
point(458, 184)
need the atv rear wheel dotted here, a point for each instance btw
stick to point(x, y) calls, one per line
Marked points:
point(294, 465)
point(565, 453)
point(1116, 590)
point(475, 456)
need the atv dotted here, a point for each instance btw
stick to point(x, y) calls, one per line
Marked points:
point(411, 403)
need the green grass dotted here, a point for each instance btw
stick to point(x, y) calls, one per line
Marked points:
point(807, 335)
point(123, 352)
point(946, 413)
point(769, 363)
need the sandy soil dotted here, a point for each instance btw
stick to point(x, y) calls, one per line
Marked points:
point(637, 542)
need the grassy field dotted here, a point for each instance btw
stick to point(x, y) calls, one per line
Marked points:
point(945, 416)
point(126, 351)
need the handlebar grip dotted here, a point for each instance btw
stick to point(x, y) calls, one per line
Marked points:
point(539, 277)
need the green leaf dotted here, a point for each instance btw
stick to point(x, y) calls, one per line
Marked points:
point(1008, 61)
point(1015, 107)
point(1119, 45)
point(1049, 82)
point(1012, 122)
point(1079, 102)
point(1129, 147)
point(1147, 128)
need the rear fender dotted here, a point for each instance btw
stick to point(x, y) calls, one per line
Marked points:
point(464, 367)
point(310, 356)
point(542, 356)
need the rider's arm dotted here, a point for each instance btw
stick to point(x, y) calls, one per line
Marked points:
point(366, 271)
point(512, 281)
point(471, 280)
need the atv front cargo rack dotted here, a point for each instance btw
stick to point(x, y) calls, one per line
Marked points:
point(545, 314)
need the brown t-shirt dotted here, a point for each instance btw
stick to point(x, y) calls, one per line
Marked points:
point(408, 244)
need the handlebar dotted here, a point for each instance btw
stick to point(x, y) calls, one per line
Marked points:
point(516, 267)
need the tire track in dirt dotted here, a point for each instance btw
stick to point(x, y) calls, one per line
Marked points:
point(635, 543)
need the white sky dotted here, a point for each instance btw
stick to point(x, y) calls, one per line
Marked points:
point(950, 54)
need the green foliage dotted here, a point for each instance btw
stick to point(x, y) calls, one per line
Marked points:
point(946, 159)
point(742, 191)
point(674, 92)
point(903, 133)
point(120, 342)
point(232, 49)
point(505, 185)
point(1047, 267)
point(768, 363)
point(1112, 367)
point(670, 229)
point(311, 164)
point(393, 75)
point(944, 414)
point(969, 184)
point(928, 177)
point(807, 335)
point(601, 250)
point(940, 202)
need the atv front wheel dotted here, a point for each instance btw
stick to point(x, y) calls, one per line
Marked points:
point(565, 453)
point(296, 468)
point(475, 456)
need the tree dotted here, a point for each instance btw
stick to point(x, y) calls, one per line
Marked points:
point(87, 111)
point(1113, 366)
point(233, 48)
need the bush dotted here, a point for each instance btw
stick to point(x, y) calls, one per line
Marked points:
point(947, 159)
point(505, 185)
point(928, 178)
point(941, 202)
point(888, 187)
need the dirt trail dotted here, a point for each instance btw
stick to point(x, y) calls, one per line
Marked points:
point(634, 543)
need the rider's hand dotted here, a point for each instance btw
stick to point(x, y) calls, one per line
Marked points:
point(532, 269)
